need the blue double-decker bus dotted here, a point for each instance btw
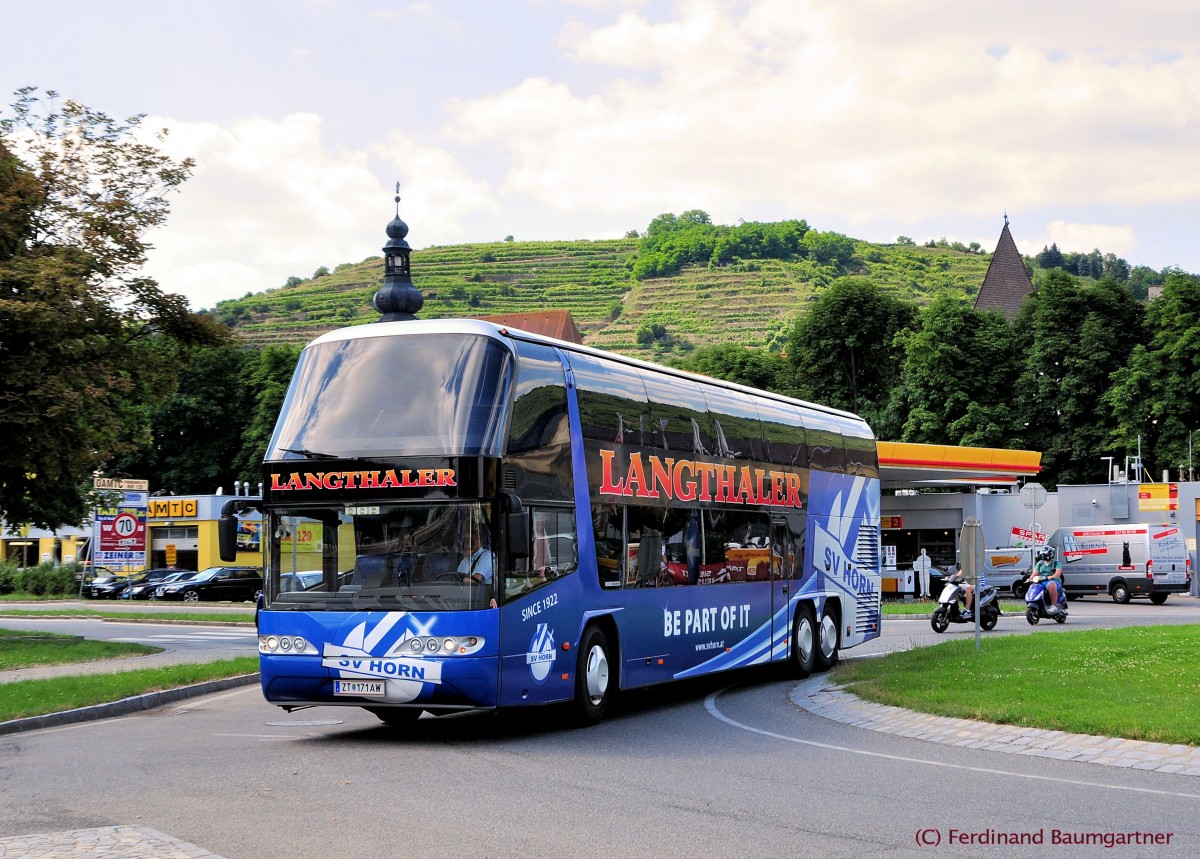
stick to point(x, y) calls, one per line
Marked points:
point(461, 515)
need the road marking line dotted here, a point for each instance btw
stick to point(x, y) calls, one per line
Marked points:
point(710, 704)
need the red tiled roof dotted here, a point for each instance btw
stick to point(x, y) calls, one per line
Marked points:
point(550, 323)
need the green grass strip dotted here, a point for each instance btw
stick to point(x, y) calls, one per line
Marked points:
point(927, 606)
point(212, 617)
point(27, 649)
point(1140, 683)
point(38, 697)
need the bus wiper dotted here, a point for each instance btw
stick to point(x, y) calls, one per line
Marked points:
point(309, 454)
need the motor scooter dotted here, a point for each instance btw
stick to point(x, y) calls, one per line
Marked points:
point(953, 595)
point(1038, 605)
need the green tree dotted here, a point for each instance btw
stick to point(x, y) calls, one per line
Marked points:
point(1073, 338)
point(195, 433)
point(78, 193)
point(266, 377)
point(844, 348)
point(1154, 394)
point(767, 371)
point(955, 384)
point(829, 248)
point(1050, 257)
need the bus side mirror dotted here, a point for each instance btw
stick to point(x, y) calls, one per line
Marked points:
point(227, 527)
point(518, 535)
point(516, 527)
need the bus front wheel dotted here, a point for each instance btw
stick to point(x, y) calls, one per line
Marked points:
point(592, 677)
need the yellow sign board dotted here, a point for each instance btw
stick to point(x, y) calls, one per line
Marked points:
point(173, 508)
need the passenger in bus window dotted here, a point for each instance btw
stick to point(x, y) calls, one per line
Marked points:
point(404, 568)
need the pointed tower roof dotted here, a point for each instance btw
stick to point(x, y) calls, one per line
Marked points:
point(1007, 282)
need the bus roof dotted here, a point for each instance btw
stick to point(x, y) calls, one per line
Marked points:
point(500, 332)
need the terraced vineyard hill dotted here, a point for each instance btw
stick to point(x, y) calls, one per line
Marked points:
point(749, 302)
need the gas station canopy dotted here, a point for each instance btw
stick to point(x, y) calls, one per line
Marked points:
point(903, 464)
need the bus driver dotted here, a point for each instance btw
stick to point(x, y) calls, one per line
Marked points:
point(478, 565)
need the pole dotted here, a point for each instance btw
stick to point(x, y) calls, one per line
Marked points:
point(970, 544)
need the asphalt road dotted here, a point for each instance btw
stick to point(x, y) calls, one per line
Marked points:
point(724, 767)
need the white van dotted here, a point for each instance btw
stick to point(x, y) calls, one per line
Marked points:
point(1123, 561)
point(1007, 569)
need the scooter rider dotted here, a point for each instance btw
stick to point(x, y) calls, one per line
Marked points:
point(1046, 567)
point(968, 591)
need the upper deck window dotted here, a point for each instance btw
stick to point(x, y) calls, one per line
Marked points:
point(413, 395)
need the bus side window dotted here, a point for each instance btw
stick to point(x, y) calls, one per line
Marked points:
point(608, 528)
point(646, 560)
point(555, 553)
point(554, 545)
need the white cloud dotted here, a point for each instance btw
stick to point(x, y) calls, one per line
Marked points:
point(268, 200)
point(836, 107)
point(1084, 238)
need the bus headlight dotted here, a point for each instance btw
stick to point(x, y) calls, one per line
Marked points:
point(279, 645)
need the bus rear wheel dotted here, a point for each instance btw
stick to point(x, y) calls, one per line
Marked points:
point(592, 677)
point(826, 654)
point(804, 642)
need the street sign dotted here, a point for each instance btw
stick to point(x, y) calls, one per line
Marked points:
point(1028, 535)
point(121, 484)
point(1033, 495)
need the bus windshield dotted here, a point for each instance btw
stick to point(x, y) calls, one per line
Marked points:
point(382, 556)
point(422, 395)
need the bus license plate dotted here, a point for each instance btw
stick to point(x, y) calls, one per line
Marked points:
point(358, 687)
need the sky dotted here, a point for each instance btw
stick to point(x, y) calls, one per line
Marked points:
point(553, 120)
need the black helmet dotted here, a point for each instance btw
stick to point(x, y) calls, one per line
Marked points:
point(1044, 554)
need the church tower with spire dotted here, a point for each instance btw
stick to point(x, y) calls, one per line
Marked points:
point(398, 300)
point(1006, 283)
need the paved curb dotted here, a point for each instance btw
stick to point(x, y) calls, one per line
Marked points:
point(822, 697)
point(126, 705)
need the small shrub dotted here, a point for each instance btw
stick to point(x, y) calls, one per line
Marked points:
point(8, 576)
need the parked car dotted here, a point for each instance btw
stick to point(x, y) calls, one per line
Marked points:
point(144, 590)
point(242, 584)
point(107, 587)
point(300, 581)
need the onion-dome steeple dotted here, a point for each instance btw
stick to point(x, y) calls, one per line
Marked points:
point(398, 300)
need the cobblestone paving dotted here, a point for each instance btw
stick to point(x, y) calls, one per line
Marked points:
point(821, 697)
point(106, 842)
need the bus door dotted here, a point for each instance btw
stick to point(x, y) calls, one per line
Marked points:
point(787, 561)
point(535, 617)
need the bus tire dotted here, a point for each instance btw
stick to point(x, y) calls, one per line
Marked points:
point(593, 676)
point(804, 642)
point(826, 651)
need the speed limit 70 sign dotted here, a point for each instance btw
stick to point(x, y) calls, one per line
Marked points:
point(125, 525)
